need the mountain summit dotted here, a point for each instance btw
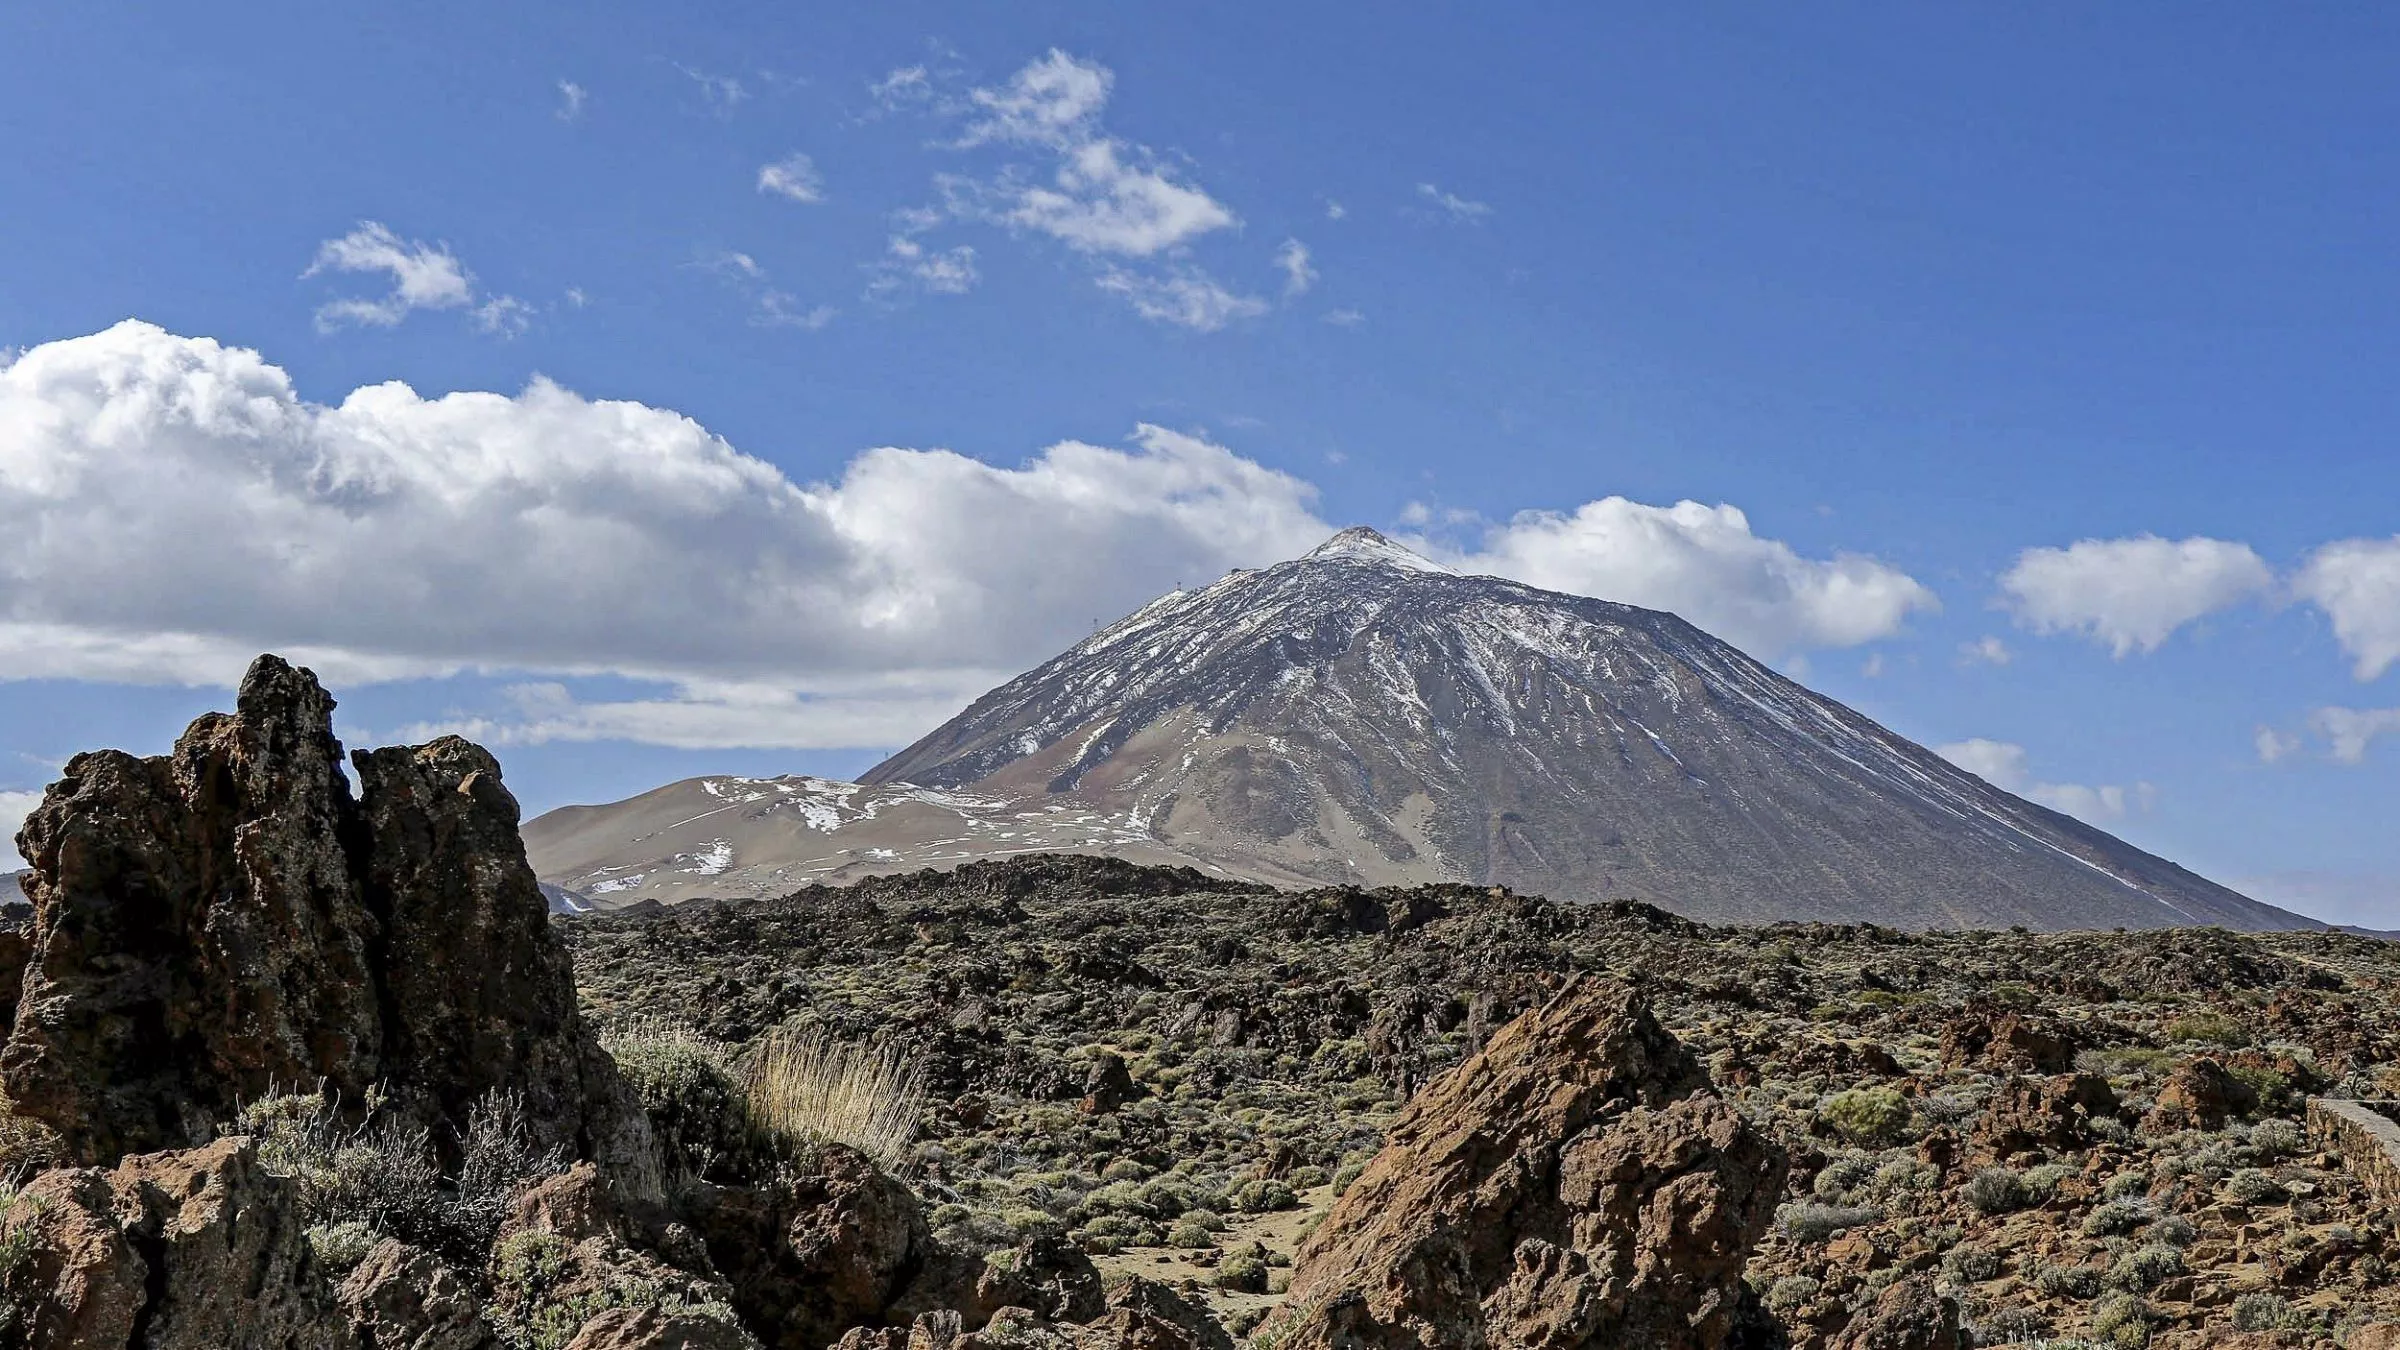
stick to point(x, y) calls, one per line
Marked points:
point(1362, 714)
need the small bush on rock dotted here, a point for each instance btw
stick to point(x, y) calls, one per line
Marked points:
point(1263, 1197)
point(1792, 1292)
point(339, 1247)
point(807, 1088)
point(688, 1089)
point(1973, 1265)
point(1812, 1223)
point(2122, 1321)
point(2068, 1281)
point(2145, 1268)
point(2263, 1312)
point(2251, 1186)
point(1995, 1190)
point(1866, 1115)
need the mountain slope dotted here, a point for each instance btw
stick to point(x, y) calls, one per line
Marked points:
point(1362, 714)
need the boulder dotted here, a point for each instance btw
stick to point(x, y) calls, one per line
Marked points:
point(2010, 1042)
point(226, 920)
point(650, 1328)
point(403, 1298)
point(1910, 1315)
point(194, 1250)
point(2031, 1114)
point(1575, 1184)
point(809, 1257)
point(2198, 1095)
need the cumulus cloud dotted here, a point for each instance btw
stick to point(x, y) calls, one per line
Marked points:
point(2130, 594)
point(1127, 208)
point(14, 807)
point(1298, 273)
point(2004, 766)
point(1186, 297)
point(1703, 563)
point(2356, 582)
point(423, 276)
point(2349, 731)
point(1451, 206)
point(793, 178)
point(179, 508)
point(392, 535)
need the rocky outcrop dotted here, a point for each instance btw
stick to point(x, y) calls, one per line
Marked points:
point(1575, 1184)
point(2011, 1042)
point(195, 1250)
point(225, 920)
point(2198, 1095)
point(1910, 1315)
point(809, 1257)
point(2029, 1115)
point(403, 1298)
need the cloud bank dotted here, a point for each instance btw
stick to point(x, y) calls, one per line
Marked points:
point(2130, 594)
point(2004, 766)
point(185, 508)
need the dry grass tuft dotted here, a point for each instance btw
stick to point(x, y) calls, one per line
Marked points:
point(807, 1087)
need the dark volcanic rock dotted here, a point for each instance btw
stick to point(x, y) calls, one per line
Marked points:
point(1575, 1184)
point(225, 920)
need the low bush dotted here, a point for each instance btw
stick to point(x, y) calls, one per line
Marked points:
point(1995, 1190)
point(2069, 1281)
point(805, 1087)
point(1973, 1265)
point(2207, 1028)
point(2122, 1321)
point(1866, 1115)
point(2114, 1219)
point(2263, 1312)
point(688, 1089)
point(2250, 1186)
point(1806, 1222)
point(1791, 1293)
point(2145, 1268)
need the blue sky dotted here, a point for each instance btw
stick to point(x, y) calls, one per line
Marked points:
point(2045, 356)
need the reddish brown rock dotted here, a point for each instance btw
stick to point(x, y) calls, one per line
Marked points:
point(225, 920)
point(809, 1257)
point(1575, 1184)
point(652, 1329)
point(2031, 1114)
point(403, 1298)
point(196, 1250)
point(1910, 1315)
point(2198, 1095)
point(2010, 1042)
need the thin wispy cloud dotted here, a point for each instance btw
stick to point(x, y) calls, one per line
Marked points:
point(1186, 298)
point(770, 306)
point(793, 178)
point(1450, 205)
point(571, 98)
point(722, 93)
point(1344, 318)
point(1298, 273)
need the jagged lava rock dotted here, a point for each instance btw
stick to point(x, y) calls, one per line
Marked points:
point(1575, 1184)
point(225, 920)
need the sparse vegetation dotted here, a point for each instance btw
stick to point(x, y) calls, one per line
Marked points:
point(807, 1087)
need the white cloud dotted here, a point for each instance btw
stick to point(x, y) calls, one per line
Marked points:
point(908, 264)
point(2274, 745)
point(2004, 766)
point(1344, 318)
point(2349, 731)
point(14, 807)
point(571, 98)
point(794, 177)
point(1054, 100)
point(505, 315)
point(1987, 650)
point(905, 87)
point(1186, 296)
point(392, 535)
point(1451, 205)
point(2356, 582)
point(1872, 667)
point(1099, 203)
point(1703, 563)
point(424, 276)
point(1335, 210)
point(782, 309)
point(722, 93)
point(1298, 275)
point(2130, 594)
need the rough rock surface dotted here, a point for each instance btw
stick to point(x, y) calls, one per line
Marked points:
point(404, 1298)
point(1575, 1184)
point(1910, 1315)
point(2199, 1095)
point(809, 1257)
point(195, 1250)
point(224, 920)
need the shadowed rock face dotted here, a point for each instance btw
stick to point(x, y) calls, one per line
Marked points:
point(1576, 1184)
point(225, 920)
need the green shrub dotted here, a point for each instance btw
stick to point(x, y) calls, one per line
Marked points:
point(1791, 1293)
point(2207, 1028)
point(2250, 1186)
point(1973, 1265)
point(2114, 1219)
point(1308, 1178)
point(339, 1247)
point(688, 1089)
point(1245, 1272)
point(1191, 1236)
point(1995, 1190)
point(2263, 1312)
point(2145, 1268)
point(1866, 1115)
point(2068, 1281)
point(1806, 1222)
point(2123, 1321)
point(1263, 1196)
point(1346, 1174)
point(2042, 1182)
point(1841, 1180)
point(2173, 1230)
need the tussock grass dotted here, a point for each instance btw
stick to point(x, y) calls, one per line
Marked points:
point(806, 1087)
